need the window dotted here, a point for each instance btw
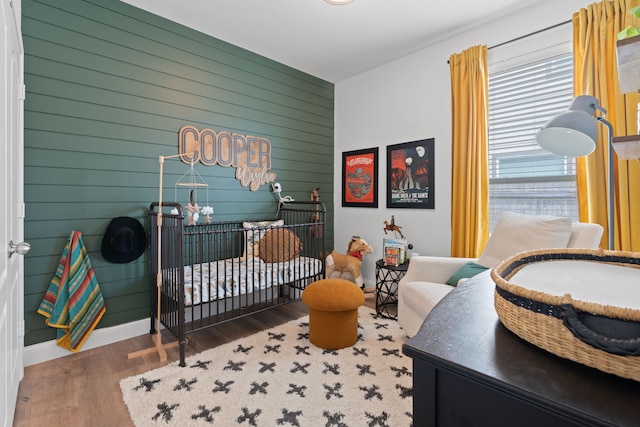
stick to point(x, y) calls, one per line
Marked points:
point(522, 176)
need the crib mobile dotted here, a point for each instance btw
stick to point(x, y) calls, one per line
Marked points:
point(192, 181)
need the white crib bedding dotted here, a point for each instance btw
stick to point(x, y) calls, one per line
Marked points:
point(230, 277)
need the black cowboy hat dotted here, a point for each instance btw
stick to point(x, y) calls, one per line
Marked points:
point(124, 241)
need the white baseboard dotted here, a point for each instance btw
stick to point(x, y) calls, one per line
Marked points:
point(49, 350)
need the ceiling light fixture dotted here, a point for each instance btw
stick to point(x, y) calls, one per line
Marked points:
point(338, 2)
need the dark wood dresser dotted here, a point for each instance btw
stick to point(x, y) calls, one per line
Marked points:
point(469, 370)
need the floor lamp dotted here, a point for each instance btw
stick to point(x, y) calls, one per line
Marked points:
point(574, 133)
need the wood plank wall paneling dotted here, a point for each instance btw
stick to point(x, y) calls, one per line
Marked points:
point(108, 88)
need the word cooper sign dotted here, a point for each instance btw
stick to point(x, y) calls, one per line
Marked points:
point(250, 155)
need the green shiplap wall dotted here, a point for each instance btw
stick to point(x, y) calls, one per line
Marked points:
point(108, 86)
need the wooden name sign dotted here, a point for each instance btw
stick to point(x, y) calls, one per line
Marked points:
point(250, 155)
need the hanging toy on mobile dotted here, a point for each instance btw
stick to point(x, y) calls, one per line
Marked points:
point(207, 211)
point(192, 210)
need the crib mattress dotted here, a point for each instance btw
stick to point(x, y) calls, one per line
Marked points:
point(232, 277)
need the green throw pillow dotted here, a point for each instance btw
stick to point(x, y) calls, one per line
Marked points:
point(470, 269)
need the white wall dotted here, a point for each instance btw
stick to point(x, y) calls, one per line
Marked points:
point(407, 100)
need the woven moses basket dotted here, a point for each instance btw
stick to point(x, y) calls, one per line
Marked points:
point(582, 305)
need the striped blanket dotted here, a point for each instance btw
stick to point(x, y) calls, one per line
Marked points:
point(73, 303)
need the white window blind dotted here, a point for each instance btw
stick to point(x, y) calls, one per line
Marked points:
point(522, 176)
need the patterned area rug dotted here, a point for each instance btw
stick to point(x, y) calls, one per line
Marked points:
point(278, 378)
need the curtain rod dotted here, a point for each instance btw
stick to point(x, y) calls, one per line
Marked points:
point(529, 35)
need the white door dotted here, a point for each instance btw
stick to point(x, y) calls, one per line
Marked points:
point(11, 209)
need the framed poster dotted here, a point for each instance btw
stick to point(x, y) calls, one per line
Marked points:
point(410, 177)
point(360, 178)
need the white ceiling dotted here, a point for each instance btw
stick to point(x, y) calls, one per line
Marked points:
point(331, 42)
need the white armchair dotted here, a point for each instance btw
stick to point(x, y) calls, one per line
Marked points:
point(424, 284)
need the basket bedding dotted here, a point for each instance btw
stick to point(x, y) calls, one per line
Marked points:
point(607, 284)
point(228, 278)
point(539, 296)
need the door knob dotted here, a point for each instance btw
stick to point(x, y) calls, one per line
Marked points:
point(21, 248)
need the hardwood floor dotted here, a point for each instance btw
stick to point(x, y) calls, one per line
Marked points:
point(83, 389)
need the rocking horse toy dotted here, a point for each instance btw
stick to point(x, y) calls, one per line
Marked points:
point(351, 261)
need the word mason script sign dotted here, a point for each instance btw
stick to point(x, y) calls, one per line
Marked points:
point(250, 155)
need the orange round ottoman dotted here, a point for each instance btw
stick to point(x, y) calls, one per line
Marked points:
point(333, 312)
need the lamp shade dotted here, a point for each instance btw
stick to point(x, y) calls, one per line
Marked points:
point(573, 133)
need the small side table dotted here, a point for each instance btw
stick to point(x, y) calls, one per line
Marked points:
point(387, 278)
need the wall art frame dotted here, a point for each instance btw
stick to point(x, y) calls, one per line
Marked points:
point(360, 178)
point(410, 175)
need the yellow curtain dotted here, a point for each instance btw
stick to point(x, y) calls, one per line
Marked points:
point(596, 73)
point(469, 174)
